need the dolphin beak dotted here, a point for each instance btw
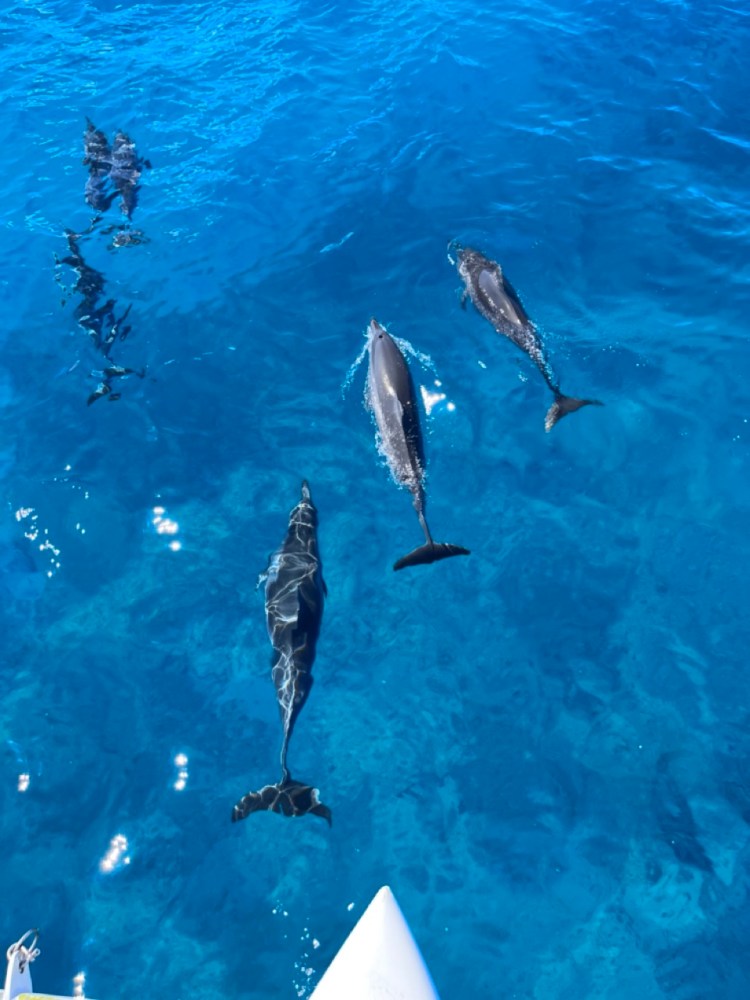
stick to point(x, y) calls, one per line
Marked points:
point(305, 491)
point(374, 328)
point(454, 251)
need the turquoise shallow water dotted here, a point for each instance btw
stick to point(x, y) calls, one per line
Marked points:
point(543, 748)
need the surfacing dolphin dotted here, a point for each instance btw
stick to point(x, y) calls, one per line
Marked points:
point(496, 300)
point(295, 592)
point(391, 397)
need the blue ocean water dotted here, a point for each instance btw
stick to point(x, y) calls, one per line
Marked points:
point(543, 748)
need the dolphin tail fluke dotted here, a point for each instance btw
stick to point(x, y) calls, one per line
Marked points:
point(430, 553)
point(288, 797)
point(564, 405)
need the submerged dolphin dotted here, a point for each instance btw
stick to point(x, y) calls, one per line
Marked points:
point(675, 818)
point(496, 299)
point(105, 386)
point(127, 168)
point(99, 321)
point(391, 397)
point(98, 158)
point(295, 592)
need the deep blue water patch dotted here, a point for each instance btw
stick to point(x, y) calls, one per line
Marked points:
point(544, 747)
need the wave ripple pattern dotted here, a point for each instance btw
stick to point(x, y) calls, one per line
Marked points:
point(544, 747)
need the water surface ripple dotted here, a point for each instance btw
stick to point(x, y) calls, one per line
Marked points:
point(542, 748)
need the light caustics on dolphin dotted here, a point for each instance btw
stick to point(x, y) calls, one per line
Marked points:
point(295, 593)
point(126, 171)
point(113, 170)
point(97, 156)
point(391, 398)
point(496, 300)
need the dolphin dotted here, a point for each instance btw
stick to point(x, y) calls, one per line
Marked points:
point(126, 170)
point(116, 329)
point(391, 397)
point(496, 300)
point(90, 285)
point(105, 386)
point(90, 282)
point(295, 592)
point(675, 818)
point(125, 237)
point(97, 156)
point(103, 389)
point(101, 323)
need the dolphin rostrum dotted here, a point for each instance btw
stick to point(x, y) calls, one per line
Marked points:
point(391, 397)
point(496, 300)
point(295, 592)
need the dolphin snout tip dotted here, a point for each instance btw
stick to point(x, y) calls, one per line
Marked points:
point(455, 249)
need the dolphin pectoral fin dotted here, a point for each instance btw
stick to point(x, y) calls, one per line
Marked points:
point(464, 298)
point(564, 405)
point(287, 797)
point(429, 553)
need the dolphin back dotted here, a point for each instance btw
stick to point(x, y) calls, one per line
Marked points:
point(288, 797)
point(392, 397)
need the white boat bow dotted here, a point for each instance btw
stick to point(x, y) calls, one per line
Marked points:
point(380, 959)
